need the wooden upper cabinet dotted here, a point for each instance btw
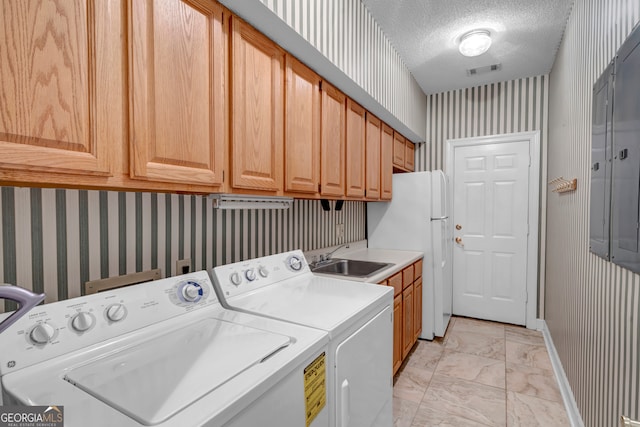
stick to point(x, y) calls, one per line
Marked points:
point(56, 86)
point(178, 70)
point(409, 156)
point(373, 134)
point(332, 142)
point(398, 150)
point(257, 106)
point(302, 128)
point(386, 162)
point(355, 150)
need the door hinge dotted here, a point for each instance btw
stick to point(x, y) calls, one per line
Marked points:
point(320, 85)
point(319, 188)
point(222, 176)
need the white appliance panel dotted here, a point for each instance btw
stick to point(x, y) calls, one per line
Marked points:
point(442, 251)
point(363, 363)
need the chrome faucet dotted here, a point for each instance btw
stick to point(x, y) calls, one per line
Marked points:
point(327, 256)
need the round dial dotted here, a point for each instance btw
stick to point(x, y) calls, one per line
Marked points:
point(295, 263)
point(235, 278)
point(250, 274)
point(262, 270)
point(82, 321)
point(191, 292)
point(116, 312)
point(42, 333)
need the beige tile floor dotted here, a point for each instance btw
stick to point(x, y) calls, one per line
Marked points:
point(480, 374)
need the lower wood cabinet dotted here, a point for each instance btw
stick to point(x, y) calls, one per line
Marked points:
point(397, 333)
point(407, 310)
point(407, 320)
point(417, 308)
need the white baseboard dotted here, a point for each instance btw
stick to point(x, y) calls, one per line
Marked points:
point(561, 377)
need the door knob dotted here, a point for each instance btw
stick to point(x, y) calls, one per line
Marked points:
point(459, 240)
point(458, 227)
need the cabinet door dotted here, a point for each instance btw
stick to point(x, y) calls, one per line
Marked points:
point(417, 308)
point(372, 167)
point(257, 99)
point(355, 150)
point(386, 162)
point(332, 141)
point(397, 332)
point(398, 150)
point(56, 94)
point(178, 69)
point(407, 325)
point(302, 130)
point(409, 154)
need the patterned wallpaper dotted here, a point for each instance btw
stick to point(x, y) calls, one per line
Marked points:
point(54, 240)
point(498, 108)
point(592, 306)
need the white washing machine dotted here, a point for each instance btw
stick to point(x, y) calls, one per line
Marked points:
point(358, 317)
point(164, 353)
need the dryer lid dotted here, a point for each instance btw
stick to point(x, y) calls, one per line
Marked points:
point(156, 379)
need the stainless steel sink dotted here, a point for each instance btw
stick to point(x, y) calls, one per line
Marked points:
point(349, 267)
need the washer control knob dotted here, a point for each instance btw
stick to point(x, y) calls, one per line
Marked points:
point(42, 333)
point(116, 312)
point(262, 270)
point(250, 274)
point(235, 278)
point(295, 263)
point(82, 321)
point(191, 292)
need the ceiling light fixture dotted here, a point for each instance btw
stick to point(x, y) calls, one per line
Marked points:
point(475, 42)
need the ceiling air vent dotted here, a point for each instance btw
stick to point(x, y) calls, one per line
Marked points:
point(483, 70)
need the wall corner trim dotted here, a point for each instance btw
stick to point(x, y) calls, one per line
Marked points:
point(565, 389)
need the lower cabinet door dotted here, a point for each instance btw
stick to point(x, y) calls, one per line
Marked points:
point(407, 314)
point(417, 308)
point(398, 321)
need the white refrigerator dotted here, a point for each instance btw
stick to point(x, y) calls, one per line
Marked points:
point(417, 219)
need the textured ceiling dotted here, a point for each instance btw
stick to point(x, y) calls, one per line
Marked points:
point(526, 35)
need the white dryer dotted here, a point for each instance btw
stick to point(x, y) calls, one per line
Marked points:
point(358, 317)
point(164, 353)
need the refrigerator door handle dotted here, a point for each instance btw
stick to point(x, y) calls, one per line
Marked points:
point(446, 190)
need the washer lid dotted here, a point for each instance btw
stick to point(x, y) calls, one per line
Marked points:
point(154, 380)
point(317, 301)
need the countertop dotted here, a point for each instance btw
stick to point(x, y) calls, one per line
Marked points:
point(359, 251)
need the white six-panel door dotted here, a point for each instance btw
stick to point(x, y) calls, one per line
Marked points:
point(490, 230)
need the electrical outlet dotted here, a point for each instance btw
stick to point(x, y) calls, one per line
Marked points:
point(340, 231)
point(183, 266)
